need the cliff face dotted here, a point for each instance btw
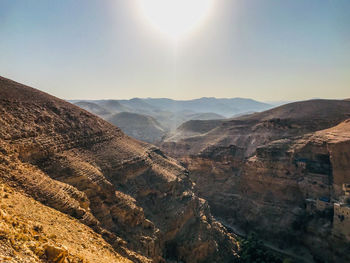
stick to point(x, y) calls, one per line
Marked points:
point(137, 199)
point(279, 177)
point(296, 186)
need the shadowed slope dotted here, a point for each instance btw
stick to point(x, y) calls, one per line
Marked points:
point(141, 127)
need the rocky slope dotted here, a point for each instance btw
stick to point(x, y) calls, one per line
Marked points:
point(33, 232)
point(280, 173)
point(82, 170)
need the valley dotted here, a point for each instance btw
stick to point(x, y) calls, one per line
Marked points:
point(282, 173)
point(70, 165)
point(279, 174)
point(150, 119)
point(174, 131)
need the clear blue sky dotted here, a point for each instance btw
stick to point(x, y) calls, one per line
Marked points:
point(262, 49)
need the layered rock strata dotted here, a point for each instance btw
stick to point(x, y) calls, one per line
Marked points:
point(282, 173)
point(140, 201)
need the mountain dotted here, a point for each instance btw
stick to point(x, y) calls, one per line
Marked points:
point(205, 116)
point(169, 114)
point(113, 106)
point(139, 105)
point(76, 188)
point(225, 107)
point(253, 130)
point(191, 128)
point(282, 173)
point(93, 108)
point(141, 127)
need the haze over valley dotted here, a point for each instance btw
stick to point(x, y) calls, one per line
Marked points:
point(151, 119)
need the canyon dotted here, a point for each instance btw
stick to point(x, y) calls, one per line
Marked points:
point(282, 173)
point(151, 119)
point(74, 188)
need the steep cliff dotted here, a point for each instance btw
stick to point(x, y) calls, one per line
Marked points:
point(138, 200)
point(280, 173)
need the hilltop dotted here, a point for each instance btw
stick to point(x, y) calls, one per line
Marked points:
point(141, 127)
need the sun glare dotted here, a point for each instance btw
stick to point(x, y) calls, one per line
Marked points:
point(175, 17)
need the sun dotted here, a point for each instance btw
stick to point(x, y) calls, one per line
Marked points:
point(175, 17)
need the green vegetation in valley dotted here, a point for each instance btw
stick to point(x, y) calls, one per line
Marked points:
point(254, 251)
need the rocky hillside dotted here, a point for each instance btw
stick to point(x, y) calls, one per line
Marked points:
point(76, 186)
point(33, 232)
point(250, 131)
point(282, 173)
point(141, 127)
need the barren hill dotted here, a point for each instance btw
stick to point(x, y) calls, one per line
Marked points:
point(141, 127)
point(192, 128)
point(126, 195)
point(305, 111)
point(251, 131)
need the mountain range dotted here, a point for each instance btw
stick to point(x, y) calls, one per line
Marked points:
point(75, 188)
point(161, 116)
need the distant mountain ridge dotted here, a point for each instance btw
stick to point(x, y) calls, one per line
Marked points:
point(168, 113)
point(222, 106)
point(226, 107)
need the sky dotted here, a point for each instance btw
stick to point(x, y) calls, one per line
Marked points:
point(268, 50)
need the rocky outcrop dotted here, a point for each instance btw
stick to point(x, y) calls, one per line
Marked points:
point(279, 173)
point(140, 201)
point(33, 232)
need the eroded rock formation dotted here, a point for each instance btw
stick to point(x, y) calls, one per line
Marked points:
point(280, 173)
point(140, 201)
